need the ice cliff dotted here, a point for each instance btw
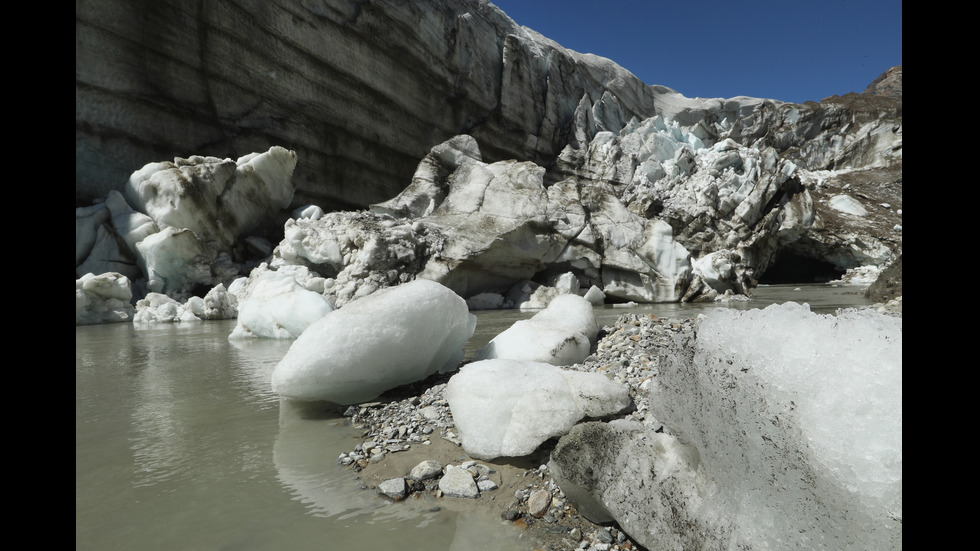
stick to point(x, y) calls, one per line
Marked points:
point(455, 146)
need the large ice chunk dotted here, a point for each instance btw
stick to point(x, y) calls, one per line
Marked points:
point(391, 337)
point(219, 200)
point(279, 307)
point(561, 334)
point(505, 407)
point(797, 418)
point(103, 298)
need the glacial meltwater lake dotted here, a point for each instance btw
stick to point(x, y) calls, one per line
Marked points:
point(179, 444)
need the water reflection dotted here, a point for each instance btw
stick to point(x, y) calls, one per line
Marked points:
point(480, 532)
point(252, 362)
point(307, 467)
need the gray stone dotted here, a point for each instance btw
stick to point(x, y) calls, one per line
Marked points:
point(427, 469)
point(458, 482)
point(486, 485)
point(888, 285)
point(616, 471)
point(394, 488)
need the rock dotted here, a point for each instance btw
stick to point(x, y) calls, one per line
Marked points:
point(426, 470)
point(538, 503)
point(888, 285)
point(415, 486)
point(458, 482)
point(394, 488)
point(887, 84)
point(486, 485)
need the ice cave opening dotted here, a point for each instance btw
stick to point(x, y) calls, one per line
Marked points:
point(792, 267)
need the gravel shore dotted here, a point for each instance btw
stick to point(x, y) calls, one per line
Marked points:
point(410, 439)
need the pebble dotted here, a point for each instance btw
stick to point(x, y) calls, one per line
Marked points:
point(538, 503)
point(394, 488)
point(486, 485)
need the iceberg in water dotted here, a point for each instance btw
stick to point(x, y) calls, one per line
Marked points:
point(278, 307)
point(391, 337)
point(561, 334)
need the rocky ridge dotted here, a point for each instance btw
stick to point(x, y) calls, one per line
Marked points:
point(888, 84)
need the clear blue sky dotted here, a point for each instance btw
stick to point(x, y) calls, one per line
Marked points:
point(788, 50)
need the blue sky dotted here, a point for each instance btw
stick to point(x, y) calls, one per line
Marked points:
point(789, 50)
